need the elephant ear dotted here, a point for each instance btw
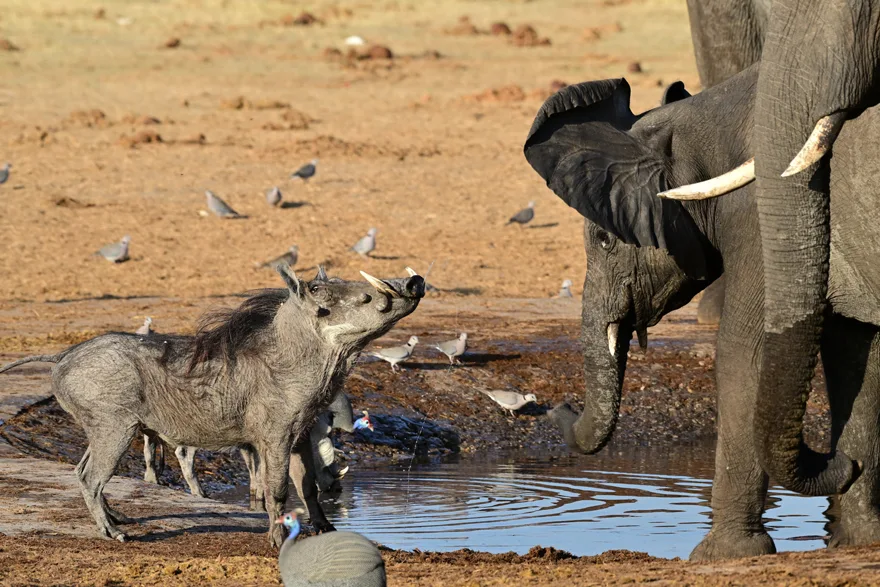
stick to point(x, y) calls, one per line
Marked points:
point(674, 92)
point(580, 145)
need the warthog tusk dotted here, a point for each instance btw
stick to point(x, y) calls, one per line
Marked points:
point(717, 186)
point(818, 143)
point(380, 285)
point(642, 333)
point(412, 272)
point(613, 329)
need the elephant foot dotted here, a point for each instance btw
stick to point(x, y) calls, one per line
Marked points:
point(722, 544)
point(860, 532)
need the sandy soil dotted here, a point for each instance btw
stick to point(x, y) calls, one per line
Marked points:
point(117, 116)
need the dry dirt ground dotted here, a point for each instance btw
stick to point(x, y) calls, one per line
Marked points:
point(117, 115)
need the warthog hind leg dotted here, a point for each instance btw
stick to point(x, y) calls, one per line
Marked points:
point(186, 456)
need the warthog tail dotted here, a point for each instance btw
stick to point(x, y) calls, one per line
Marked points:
point(33, 359)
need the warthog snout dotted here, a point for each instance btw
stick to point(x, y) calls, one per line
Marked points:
point(415, 287)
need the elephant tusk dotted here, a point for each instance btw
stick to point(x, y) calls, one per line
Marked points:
point(642, 333)
point(717, 186)
point(613, 330)
point(818, 143)
point(380, 285)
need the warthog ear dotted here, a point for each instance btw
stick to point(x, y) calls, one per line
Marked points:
point(322, 274)
point(296, 287)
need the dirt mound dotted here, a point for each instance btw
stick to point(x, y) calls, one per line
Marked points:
point(144, 137)
point(87, 118)
point(526, 36)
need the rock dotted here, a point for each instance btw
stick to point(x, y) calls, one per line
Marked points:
point(332, 54)
point(7, 45)
point(557, 85)
point(464, 27)
point(526, 36)
point(296, 120)
point(100, 14)
point(140, 138)
point(304, 19)
point(634, 67)
point(378, 52)
point(499, 28)
point(87, 118)
point(171, 43)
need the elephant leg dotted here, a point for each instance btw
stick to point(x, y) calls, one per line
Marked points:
point(740, 485)
point(851, 359)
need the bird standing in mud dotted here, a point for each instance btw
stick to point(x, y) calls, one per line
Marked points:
point(307, 171)
point(287, 259)
point(524, 216)
point(273, 196)
point(565, 290)
point(397, 354)
point(147, 328)
point(4, 173)
point(453, 348)
point(367, 244)
point(510, 400)
point(336, 559)
point(115, 252)
point(219, 207)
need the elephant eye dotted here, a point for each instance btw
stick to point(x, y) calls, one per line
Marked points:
point(605, 240)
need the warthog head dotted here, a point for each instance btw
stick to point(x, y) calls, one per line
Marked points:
point(352, 313)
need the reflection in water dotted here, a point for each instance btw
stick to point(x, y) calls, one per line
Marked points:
point(649, 500)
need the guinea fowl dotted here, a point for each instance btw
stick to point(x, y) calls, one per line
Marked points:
point(334, 559)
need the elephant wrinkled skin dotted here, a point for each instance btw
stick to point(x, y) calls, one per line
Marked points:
point(648, 256)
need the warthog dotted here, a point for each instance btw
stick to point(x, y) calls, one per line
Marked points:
point(338, 415)
point(255, 377)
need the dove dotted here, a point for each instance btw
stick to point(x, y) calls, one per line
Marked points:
point(332, 559)
point(219, 207)
point(367, 244)
point(524, 216)
point(453, 348)
point(273, 196)
point(307, 171)
point(397, 354)
point(288, 259)
point(115, 252)
point(510, 400)
point(4, 173)
point(147, 328)
point(565, 290)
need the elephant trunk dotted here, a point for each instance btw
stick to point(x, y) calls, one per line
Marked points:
point(605, 347)
point(796, 241)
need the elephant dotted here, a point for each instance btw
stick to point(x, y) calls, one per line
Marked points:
point(820, 64)
point(728, 36)
point(648, 256)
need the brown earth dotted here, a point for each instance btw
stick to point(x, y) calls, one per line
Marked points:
point(116, 118)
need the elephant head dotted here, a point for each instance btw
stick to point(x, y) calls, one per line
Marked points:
point(645, 256)
point(820, 66)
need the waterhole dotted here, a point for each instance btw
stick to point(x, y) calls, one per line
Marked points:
point(650, 500)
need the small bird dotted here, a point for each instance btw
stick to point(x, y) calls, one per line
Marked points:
point(147, 328)
point(453, 348)
point(219, 207)
point(273, 196)
point(565, 290)
point(115, 252)
point(307, 171)
point(524, 216)
point(510, 400)
point(367, 244)
point(334, 559)
point(4, 173)
point(364, 422)
point(397, 354)
point(288, 259)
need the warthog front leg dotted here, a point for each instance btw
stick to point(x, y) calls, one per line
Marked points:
point(255, 480)
point(154, 458)
point(107, 445)
point(186, 457)
point(275, 461)
point(302, 471)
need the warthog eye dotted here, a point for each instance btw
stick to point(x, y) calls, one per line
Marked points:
point(313, 288)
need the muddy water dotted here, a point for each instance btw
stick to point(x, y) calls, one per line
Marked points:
point(650, 500)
